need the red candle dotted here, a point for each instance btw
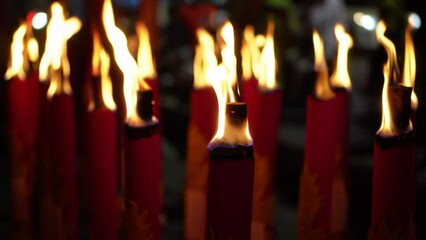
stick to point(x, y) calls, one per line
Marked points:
point(323, 196)
point(230, 182)
point(200, 131)
point(143, 173)
point(102, 158)
point(154, 85)
point(250, 92)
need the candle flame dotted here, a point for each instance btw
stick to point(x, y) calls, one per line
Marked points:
point(100, 67)
point(54, 62)
point(250, 52)
point(390, 74)
point(222, 80)
point(322, 87)
point(16, 61)
point(125, 62)
point(145, 59)
point(340, 76)
point(409, 74)
point(205, 60)
point(267, 71)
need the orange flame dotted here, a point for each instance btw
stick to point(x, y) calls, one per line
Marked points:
point(322, 87)
point(409, 74)
point(55, 58)
point(16, 61)
point(340, 76)
point(125, 62)
point(267, 71)
point(145, 60)
point(250, 52)
point(390, 74)
point(205, 60)
point(100, 67)
point(222, 82)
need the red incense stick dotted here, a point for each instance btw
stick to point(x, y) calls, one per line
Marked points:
point(63, 149)
point(265, 128)
point(143, 175)
point(230, 186)
point(200, 131)
point(102, 158)
point(323, 200)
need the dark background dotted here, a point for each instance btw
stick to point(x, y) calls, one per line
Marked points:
point(174, 51)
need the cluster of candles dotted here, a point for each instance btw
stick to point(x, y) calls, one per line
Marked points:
point(232, 140)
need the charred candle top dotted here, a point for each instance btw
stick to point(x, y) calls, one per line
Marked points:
point(322, 89)
point(100, 70)
point(395, 120)
point(340, 77)
point(23, 50)
point(409, 73)
point(128, 66)
point(54, 62)
point(232, 128)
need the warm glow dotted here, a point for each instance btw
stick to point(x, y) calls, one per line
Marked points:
point(250, 52)
point(125, 62)
point(340, 76)
point(16, 60)
point(322, 87)
point(267, 71)
point(409, 73)
point(145, 60)
point(54, 62)
point(205, 60)
point(100, 67)
point(32, 48)
point(222, 80)
point(390, 74)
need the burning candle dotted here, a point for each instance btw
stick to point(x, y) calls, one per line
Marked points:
point(147, 65)
point(265, 122)
point(200, 131)
point(102, 148)
point(22, 90)
point(55, 67)
point(143, 194)
point(231, 169)
point(323, 195)
point(394, 155)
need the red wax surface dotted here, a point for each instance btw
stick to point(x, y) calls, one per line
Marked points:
point(229, 199)
point(144, 178)
point(394, 188)
point(250, 94)
point(102, 160)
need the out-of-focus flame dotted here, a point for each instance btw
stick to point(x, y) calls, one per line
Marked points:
point(267, 71)
point(145, 59)
point(125, 62)
point(340, 76)
point(16, 60)
point(222, 80)
point(390, 74)
point(205, 60)
point(32, 47)
point(409, 73)
point(250, 52)
point(322, 87)
point(54, 62)
point(100, 67)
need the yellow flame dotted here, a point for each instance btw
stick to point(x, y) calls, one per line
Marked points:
point(322, 87)
point(100, 67)
point(32, 47)
point(267, 71)
point(222, 79)
point(145, 59)
point(16, 61)
point(54, 62)
point(205, 60)
point(409, 74)
point(125, 62)
point(251, 52)
point(340, 76)
point(390, 73)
